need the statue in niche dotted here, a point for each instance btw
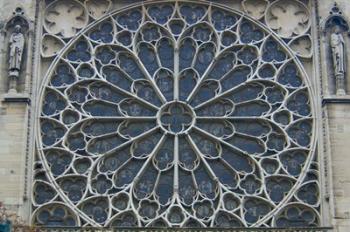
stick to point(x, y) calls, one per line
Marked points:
point(338, 54)
point(16, 47)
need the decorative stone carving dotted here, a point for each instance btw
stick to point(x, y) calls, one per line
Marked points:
point(18, 18)
point(335, 26)
point(17, 29)
point(97, 8)
point(255, 8)
point(335, 18)
point(302, 46)
point(288, 18)
point(51, 45)
point(338, 54)
point(16, 47)
point(65, 17)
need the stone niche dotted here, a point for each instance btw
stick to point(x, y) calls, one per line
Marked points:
point(17, 35)
point(335, 47)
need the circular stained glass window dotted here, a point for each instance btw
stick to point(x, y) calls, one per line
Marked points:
point(176, 115)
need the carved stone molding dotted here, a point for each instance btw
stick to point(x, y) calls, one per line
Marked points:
point(335, 17)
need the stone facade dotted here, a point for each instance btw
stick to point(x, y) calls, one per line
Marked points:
point(19, 110)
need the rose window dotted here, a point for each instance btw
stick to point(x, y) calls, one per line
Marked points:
point(176, 114)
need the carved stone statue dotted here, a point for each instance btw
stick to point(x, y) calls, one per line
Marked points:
point(338, 54)
point(16, 47)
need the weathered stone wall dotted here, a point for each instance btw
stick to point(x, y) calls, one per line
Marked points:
point(14, 118)
point(17, 142)
point(336, 120)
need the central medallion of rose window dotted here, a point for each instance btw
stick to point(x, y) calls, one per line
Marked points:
point(179, 115)
point(176, 117)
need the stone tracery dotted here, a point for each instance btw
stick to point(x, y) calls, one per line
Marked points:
point(176, 114)
point(288, 18)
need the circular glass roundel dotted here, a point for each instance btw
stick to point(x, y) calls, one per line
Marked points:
point(176, 117)
point(176, 114)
